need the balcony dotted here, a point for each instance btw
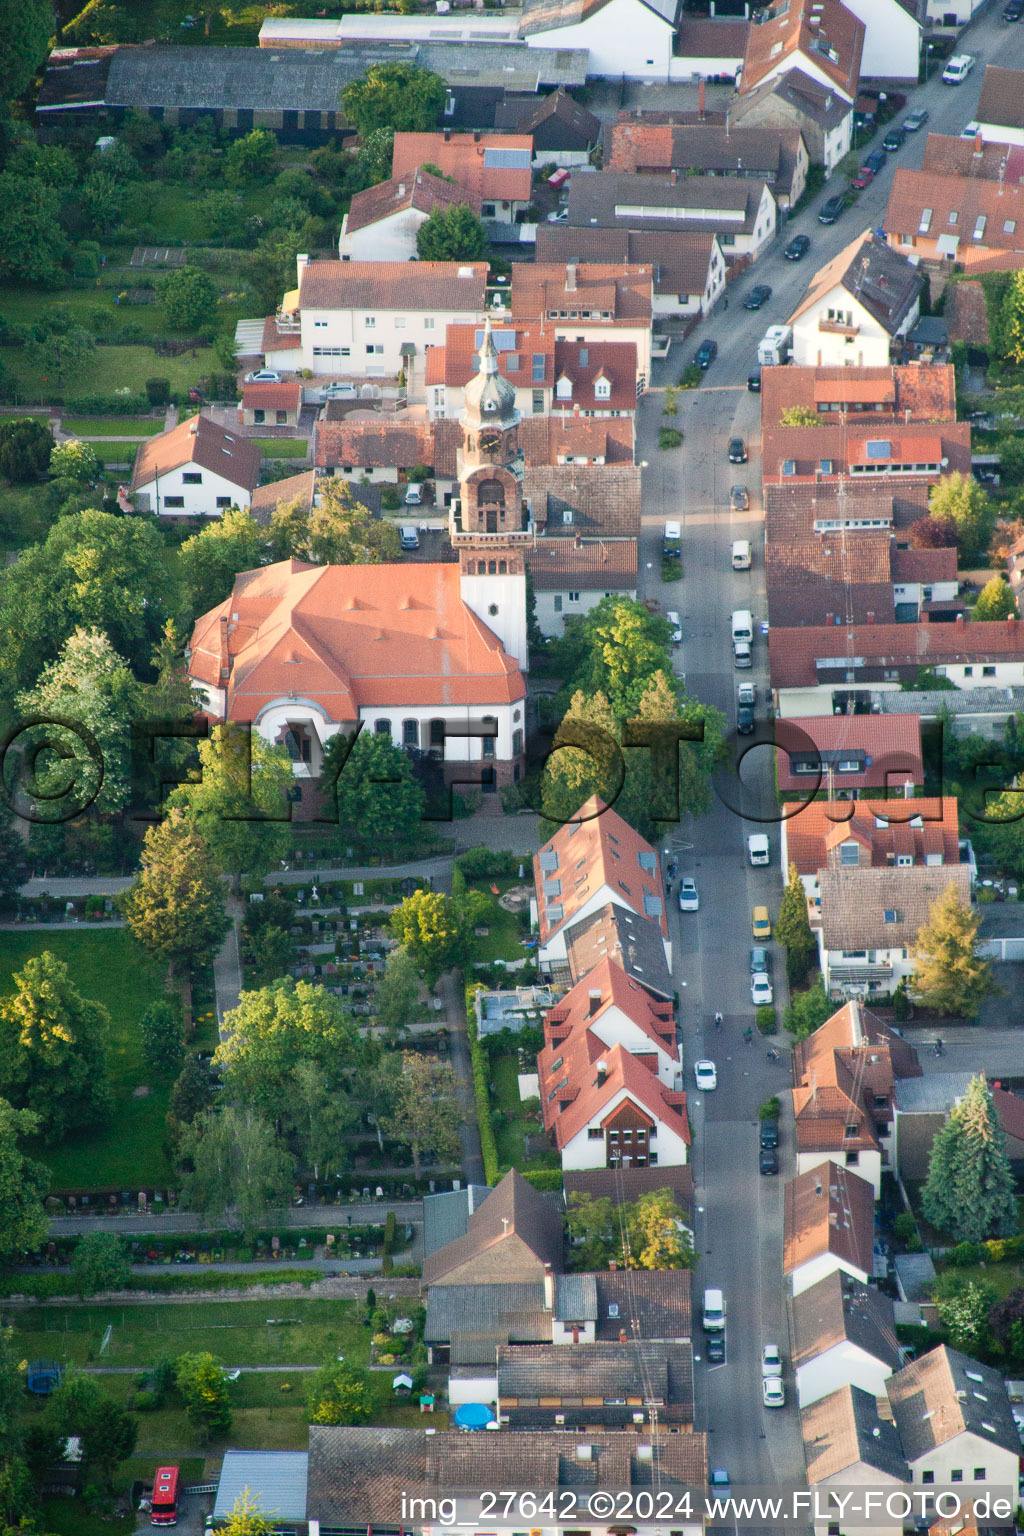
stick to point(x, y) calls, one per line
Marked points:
point(491, 535)
point(837, 328)
point(288, 322)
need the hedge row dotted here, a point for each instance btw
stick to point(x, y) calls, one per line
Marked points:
point(50, 1287)
point(481, 1092)
point(998, 1250)
point(477, 863)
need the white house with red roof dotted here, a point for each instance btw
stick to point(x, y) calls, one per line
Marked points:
point(616, 1010)
point(606, 1109)
point(383, 221)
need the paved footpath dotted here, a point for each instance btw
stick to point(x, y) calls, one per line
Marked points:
point(135, 1224)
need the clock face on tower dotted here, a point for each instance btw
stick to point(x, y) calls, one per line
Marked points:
point(490, 441)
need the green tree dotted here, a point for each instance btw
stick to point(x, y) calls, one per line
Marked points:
point(26, 27)
point(339, 531)
point(192, 1093)
point(250, 160)
point(428, 925)
point(1012, 316)
point(51, 1049)
point(163, 1044)
point(90, 686)
point(25, 447)
point(107, 1431)
point(376, 797)
point(402, 97)
point(793, 928)
point(247, 1517)
point(176, 905)
point(960, 500)
point(963, 1307)
point(276, 1027)
point(615, 650)
point(807, 1011)
point(237, 1163)
point(337, 1394)
point(239, 804)
point(951, 976)
point(373, 162)
point(452, 234)
point(995, 600)
point(594, 1231)
point(210, 560)
point(270, 268)
point(221, 213)
point(425, 1113)
point(94, 571)
point(104, 201)
point(100, 1263)
point(24, 1184)
point(319, 1116)
point(397, 992)
point(74, 460)
point(969, 1192)
point(657, 1233)
point(201, 1383)
point(800, 416)
point(189, 298)
point(32, 243)
point(61, 354)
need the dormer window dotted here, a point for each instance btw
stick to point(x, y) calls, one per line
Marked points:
point(602, 388)
point(563, 389)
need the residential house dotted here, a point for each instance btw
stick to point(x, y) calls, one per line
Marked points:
point(275, 1481)
point(967, 712)
point(843, 1082)
point(398, 647)
point(1000, 109)
point(870, 920)
point(595, 1386)
point(742, 213)
point(828, 1225)
point(604, 1108)
point(588, 522)
point(270, 405)
point(446, 1216)
point(921, 1109)
point(992, 160)
point(926, 585)
point(381, 450)
point(514, 1236)
point(383, 221)
point(196, 469)
point(859, 450)
point(954, 1422)
point(616, 1010)
point(825, 42)
point(631, 942)
point(848, 756)
point(822, 113)
point(563, 131)
point(494, 168)
point(775, 156)
point(281, 344)
point(267, 498)
point(843, 1335)
point(903, 393)
point(798, 510)
point(893, 39)
point(352, 1483)
point(937, 218)
point(858, 307)
point(597, 379)
point(589, 302)
point(688, 269)
point(370, 319)
point(709, 48)
point(849, 1445)
point(592, 860)
point(526, 358)
point(622, 1186)
point(571, 576)
point(631, 38)
point(563, 439)
point(820, 671)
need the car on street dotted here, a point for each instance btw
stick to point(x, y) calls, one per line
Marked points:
point(714, 1348)
point(263, 376)
point(675, 624)
point(797, 248)
point(745, 720)
point(771, 1360)
point(1014, 11)
point(761, 923)
point(893, 139)
point(767, 1161)
point(831, 209)
point(760, 990)
point(773, 1392)
point(769, 1136)
point(917, 119)
point(737, 451)
point(746, 693)
point(759, 848)
point(758, 295)
point(958, 68)
point(760, 960)
point(739, 499)
point(718, 1481)
point(705, 1075)
point(875, 161)
point(864, 177)
point(689, 901)
point(706, 353)
point(754, 378)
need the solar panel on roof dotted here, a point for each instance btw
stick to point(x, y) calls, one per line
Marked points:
point(504, 341)
point(507, 159)
point(878, 448)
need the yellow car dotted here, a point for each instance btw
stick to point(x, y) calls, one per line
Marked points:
point(761, 926)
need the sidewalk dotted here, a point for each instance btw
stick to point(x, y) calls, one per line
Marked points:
point(227, 966)
point(143, 1224)
point(469, 1130)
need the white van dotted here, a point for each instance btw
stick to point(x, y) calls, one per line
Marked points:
point(714, 1311)
point(758, 848)
point(741, 555)
point(742, 624)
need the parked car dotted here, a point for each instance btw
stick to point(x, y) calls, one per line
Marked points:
point(760, 990)
point(739, 499)
point(754, 379)
point(675, 624)
point(761, 923)
point(414, 495)
point(705, 1075)
point(714, 1348)
point(706, 353)
point(737, 451)
point(831, 209)
point(875, 161)
point(746, 693)
point(917, 119)
point(408, 538)
point(797, 248)
point(263, 376)
point(718, 1482)
point(758, 295)
point(745, 720)
point(767, 1160)
point(771, 1360)
point(769, 1136)
point(1014, 11)
point(864, 177)
point(958, 68)
point(558, 216)
point(689, 901)
point(773, 1392)
point(893, 139)
point(760, 960)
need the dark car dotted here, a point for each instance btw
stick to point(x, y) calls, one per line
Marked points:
point(706, 353)
point(893, 139)
point(1014, 11)
point(769, 1138)
point(760, 960)
point(754, 381)
point(831, 209)
point(744, 720)
point(737, 452)
point(714, 1348)
point(797, 248)
point(875, 161)
point(757, 296)
point(768, 1160)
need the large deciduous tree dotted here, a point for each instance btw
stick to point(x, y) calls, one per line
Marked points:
point(452, 234)
point(427, 923)
point(340, 530)
point(402, 97)
point(190, 298)
point(32, 243)
point(951, 976)
point(26, 27)
point(425, 1112)
point(995, 600)
point(51, 1049)
point(23, 1187)
point(107, 1431)
point(237, 1163)
point(210, 560)
point(658, 1238)
point(200, 1381)
point(1012, 316)
point(337, 1394)
point(960, 500)
point(275, 1028)
point(398, 992)
point(100, 1262)
point(970, 1192)
point(372, 789)
point(176, 905)
point(239, 805)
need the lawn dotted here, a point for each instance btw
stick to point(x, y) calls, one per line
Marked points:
point(66, 1517)
point(115, 368)
point(282, 447)
point(111, 452)
point(111, 426)
point(511, 1124)
point(503, 941)
point(108, 967)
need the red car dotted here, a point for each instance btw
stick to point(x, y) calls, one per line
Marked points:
point(864, 177)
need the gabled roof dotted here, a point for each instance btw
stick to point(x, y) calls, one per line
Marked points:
point(809, 98)
point(666, 202)
point(596, 849)
point(605, 989)
point(420, 190)
point(514, 1310)
point(580, 1091)
point(550, 15)
point(797, 655)
point(828, 1210)
point(1002, 97)
point(490, 166)
point(844, 1429)
point(643, 1303)
point(559, 106)
point(370, 444)
point(525, 351)
point(579, 367)
point(624, 1185)
point(284, 396)
point(991, 160)
point(266, 498)
point(597, 291)
point(884, 908)
point(576, 565)
point(570, 501)
point(882, 281)
point(856, 448)
point(887, 829)
point(512, 1236)
point(631, 941)
point(446, 1216)
point(680, 261)
point(978, 215)
point(433, 286)
point(824, 33)
point(651, 147)
point(837, 1309)
point(902, 393)
point(202, 442)
point(888, 751)
point(647, 1371)
point(944, 1394)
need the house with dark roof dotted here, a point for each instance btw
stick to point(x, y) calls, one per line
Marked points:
point(380, 449)
point(595, 1386)
point(942, 219)
point(196, 469)
point(571, 576)
point(710, 48)
point(843, 1335)
point(857, 307)
point(848, 1444)
point(624, 1185)
point(382, 222)
point(741, 212)
point(776, 156)
point(795, 99)
point(563, 130)
point(631, 38)
point(267, 498)
point(446, 1216)
point(514, 1235)
point(689, 269)
point(922, 1107)
point(1000, 110)
point(870, 920)
point(825, 42)
point(631, 941)
point(828, 1225)
point(955, 1422)
point(866, 454)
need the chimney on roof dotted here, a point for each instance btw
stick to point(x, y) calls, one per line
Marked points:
point(602, 1072)
point(593, 1002)
point(571, 272)
point(447, 135)
point(476, 136)
point(301, 262)
point(700, 96)
point(960, 619)
point(225, 654)
point(549, 1290)
point(623, 1339)
point(674, 175)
